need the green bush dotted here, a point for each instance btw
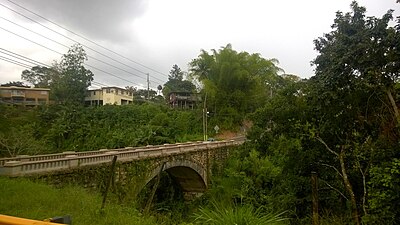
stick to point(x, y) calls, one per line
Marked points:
point(219, 214)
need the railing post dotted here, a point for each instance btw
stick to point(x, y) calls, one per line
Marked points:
point(103, 150)
point(11, 168)
point(23, 158)
point(73, 161)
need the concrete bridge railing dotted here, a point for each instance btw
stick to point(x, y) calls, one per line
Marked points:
point(27, 158)
point(28, 165)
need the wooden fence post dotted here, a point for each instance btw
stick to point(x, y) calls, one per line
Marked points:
point(314, 184)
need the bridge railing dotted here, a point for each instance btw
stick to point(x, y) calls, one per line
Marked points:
point(28, 158)
point(26, 165)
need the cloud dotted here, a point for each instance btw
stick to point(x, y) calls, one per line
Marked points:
point(108, 21)
point(160, 33)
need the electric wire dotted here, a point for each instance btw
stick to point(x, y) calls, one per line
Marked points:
point(93, 67)
point(15, 62)
point(91, 57)
point(28, 60)
point(101, 84)
point(83, 37)
point(21, 57)
point(27, 39)
point(73, 40)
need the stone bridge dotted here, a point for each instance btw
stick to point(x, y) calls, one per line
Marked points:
point(189, 164)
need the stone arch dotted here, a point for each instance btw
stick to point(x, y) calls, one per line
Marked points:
point(191, 176)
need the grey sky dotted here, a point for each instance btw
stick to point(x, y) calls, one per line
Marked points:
point(159, 33)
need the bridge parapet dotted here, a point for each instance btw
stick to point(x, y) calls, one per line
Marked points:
point(27, 165)
point(79, 154)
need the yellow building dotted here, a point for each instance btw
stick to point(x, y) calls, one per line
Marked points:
point(109, 95)
point(24, 96)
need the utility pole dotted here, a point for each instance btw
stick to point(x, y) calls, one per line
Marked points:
point(148, 87)
point(205, 118)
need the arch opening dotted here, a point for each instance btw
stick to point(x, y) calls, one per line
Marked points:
point(189, 175)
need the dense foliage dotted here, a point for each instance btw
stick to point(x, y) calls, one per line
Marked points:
point(234, 83)
point(58, 128)
point(341, 123)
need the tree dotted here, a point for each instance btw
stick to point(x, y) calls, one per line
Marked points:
point(141, 94)
point(68, 79)
point(357, 66)
point(40, 76)
point(74, 78)
point(176, 73)
point(133, 90)
point(340, 123)
point(360, 50)
point(176, 83)
point(234, 83)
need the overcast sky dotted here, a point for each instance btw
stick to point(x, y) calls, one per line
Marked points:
point(160, 33)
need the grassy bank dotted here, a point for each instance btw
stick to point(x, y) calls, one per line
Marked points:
point(24, 198)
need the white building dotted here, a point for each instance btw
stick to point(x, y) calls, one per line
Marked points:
point(109, 95)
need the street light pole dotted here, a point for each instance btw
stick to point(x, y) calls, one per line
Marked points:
point(205, 118)
point(206, 124)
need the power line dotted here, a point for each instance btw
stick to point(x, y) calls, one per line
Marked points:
point(64, 35)
point(83, 37)
point(27, 39)
point(110, 74)
point(15, 62)
point(95, 83)
point(29, 67)
point(62, 54)
point(18, 56)
point(41, 35)
point(28, 60)
point(98, 83)
point(92, 57)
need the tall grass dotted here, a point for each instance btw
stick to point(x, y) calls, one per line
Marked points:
point(219, 214)
point(24, 198)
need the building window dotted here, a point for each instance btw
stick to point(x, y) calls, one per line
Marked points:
point(17, 92)
point(112, 90)
point(122, 92)
point(94, 92)
point(43, 92)
point(107, 90)
point(18, 99)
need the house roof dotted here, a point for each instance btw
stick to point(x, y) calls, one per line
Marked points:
point(24, 88)
point(99, 89)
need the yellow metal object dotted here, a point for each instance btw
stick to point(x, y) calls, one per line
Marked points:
point(10, 220)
